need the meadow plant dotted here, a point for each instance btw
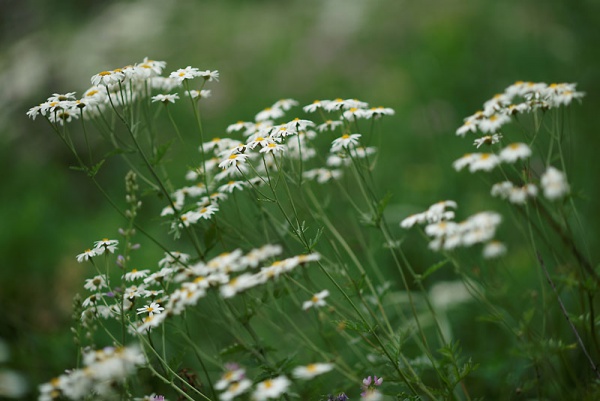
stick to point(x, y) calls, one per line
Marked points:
point(268, 287)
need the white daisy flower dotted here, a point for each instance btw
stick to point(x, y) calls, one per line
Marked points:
point(235, 389)
point(487, 140)
point(335, 104)
point(233, 374)
point(329, 125)
point(169, 98)
point(468, 126)
point(353, 113)
point(271, 388)
point(86, 255)
point(240, 125)
point(554, 184)
point(273, 147)
point(209, 75)
point(312, 370)
point(233, 160)
point(493, 123)
point(233, 185)
point(151, 321)
point(417, 218)
point(105, 244)
point(201, 94)
point(184, 73)
point(151, 309)
point(285, 104)
point(270, 113)
point(344, 142)
point(377, 112)
point(207, 212)
point(188, 218)
point(464, 161)
point(484, 161)
point(95, 283)
point(317, 300)
point(316, 105)
point(238, 284)
point(107, 78)
point(514, 152)
point(494, 249)
point(298, 124)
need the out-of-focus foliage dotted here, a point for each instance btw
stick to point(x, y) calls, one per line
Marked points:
point(434, 62)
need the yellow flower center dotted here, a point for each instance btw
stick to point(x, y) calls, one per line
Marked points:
point(268, 383)
point(105, 73)
point(345, 136)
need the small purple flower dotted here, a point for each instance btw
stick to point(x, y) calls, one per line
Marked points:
point(159, 398)
point(120, 261)
point(369, 384)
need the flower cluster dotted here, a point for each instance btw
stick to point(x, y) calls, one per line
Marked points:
point(497, 112)
point(227, 273)
point(487, 161)
point(234, 382)
point(120, 86)
point(237, 164)
point(100, 247)
point(521, 97)
point(447, 234)
point(103, 370)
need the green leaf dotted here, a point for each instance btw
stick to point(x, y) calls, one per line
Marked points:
point(381, 205)
point(430, 270)
point(160, 152)
point(94, 170)
point(313, 241)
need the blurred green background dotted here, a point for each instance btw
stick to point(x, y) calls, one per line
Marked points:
point(434, 62)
